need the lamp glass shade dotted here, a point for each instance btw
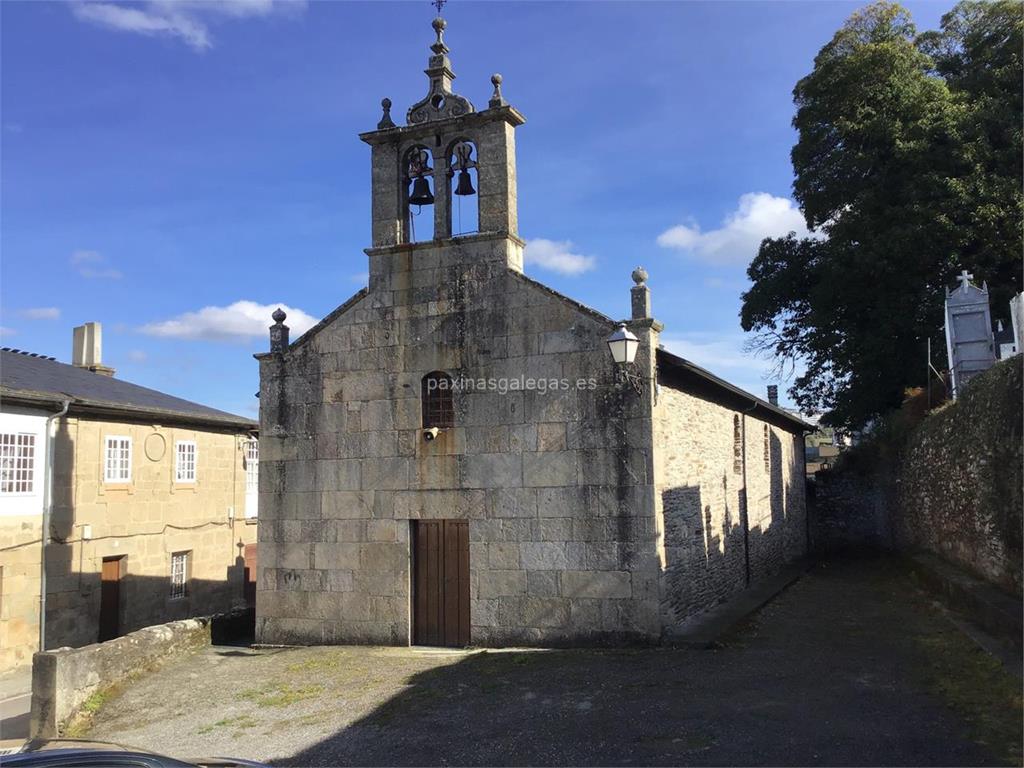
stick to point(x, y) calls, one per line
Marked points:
point(623, 345)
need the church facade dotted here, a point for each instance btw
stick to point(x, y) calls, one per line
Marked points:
point(453, 456)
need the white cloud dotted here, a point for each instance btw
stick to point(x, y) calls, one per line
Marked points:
point(40, 313)
point(92, 264)
point(187, 20)
point(240, 322)
point(5, 331)
point(557, 256)
point(137, 355)
point(758, 215)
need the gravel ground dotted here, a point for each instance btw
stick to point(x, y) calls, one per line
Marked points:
point(850, 666)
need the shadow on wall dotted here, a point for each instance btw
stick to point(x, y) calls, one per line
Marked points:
point(707, 562)
point(83, 607)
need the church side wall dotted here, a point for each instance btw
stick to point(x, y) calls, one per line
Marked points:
point(556, 486)
point(700, 494)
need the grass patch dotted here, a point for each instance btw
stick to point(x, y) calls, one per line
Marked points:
point(323, 661)
point(81, 721)
point(241, 721)
point(280, 694)
point(978, 688)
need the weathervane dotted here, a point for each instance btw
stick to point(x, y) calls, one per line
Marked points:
point(439, 4)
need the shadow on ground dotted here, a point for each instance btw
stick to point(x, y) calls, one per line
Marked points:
point(852, 665)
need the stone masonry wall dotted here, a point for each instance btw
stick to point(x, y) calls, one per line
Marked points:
point(556, 486)
point(959, 491)
point(952, 486)
point(145, 521)
point(20, 538)
point(700, 494)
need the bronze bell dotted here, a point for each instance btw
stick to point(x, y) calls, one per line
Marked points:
point(421, 194)
point(465, 185)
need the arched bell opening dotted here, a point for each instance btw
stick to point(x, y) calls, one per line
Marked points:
point(418, 193)
point(464, 183)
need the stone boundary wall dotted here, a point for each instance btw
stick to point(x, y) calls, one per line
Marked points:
point(953, 487)
point(959, 488)
point(63, 679)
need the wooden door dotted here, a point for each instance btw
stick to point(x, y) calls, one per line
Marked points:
point(440, 590)
point(110, 597)
point(250, 574)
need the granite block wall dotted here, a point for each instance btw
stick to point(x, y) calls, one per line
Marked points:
point(555, 479)
point(701, 468)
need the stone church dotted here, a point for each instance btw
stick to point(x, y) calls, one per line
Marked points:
point(459, 455)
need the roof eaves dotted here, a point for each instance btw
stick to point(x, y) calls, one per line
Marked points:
point(102, 407)
point(684, 364)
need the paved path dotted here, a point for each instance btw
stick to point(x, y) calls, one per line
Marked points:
point(851, 665)
point(15, 701)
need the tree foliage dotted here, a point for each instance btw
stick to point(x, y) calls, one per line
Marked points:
point(908, 168)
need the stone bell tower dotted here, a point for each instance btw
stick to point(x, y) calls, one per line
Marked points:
point(446, 150)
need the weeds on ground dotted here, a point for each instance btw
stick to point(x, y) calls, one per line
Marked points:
point(280, 694)
point(978, 688)
point(241, 721)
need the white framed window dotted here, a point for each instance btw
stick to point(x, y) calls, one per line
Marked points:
point(179, 575)
point(17, 463)
point(117, 464)
point(252, 466)
point(185, 461)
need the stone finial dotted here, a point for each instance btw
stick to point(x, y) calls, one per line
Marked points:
point(497, 100)
point(439, 25)
point(278, 331)
point(441, 102)
point(385, 121)
point(640, 295)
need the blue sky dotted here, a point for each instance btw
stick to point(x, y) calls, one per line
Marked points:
point(172, 169)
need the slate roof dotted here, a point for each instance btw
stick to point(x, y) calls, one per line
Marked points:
point(741, 399)
point(26, 378)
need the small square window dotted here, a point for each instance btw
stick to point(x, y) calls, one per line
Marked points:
point(117, 465)
point(185, 461)
point(17, 463)
point(179, 574)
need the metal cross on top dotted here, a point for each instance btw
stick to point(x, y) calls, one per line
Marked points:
point(439, 4)
point(964, 277)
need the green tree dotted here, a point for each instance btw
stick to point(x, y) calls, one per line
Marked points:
point(902, 189)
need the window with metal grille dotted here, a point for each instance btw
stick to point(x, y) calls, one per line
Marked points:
point(179, 575)
point(737, 445)
point(436, 400)
point(17, 463)
point(767, 450)
point(252, 465)
point(185, 461)
point(117, 464)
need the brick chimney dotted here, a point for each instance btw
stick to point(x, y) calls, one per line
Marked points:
point(87, 347)
point(773, 394)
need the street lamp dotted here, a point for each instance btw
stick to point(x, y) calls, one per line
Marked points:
point(623, 345)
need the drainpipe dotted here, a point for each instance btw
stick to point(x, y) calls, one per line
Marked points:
point(47, 507)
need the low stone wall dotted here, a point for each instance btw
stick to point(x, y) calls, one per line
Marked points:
point(65, 678)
